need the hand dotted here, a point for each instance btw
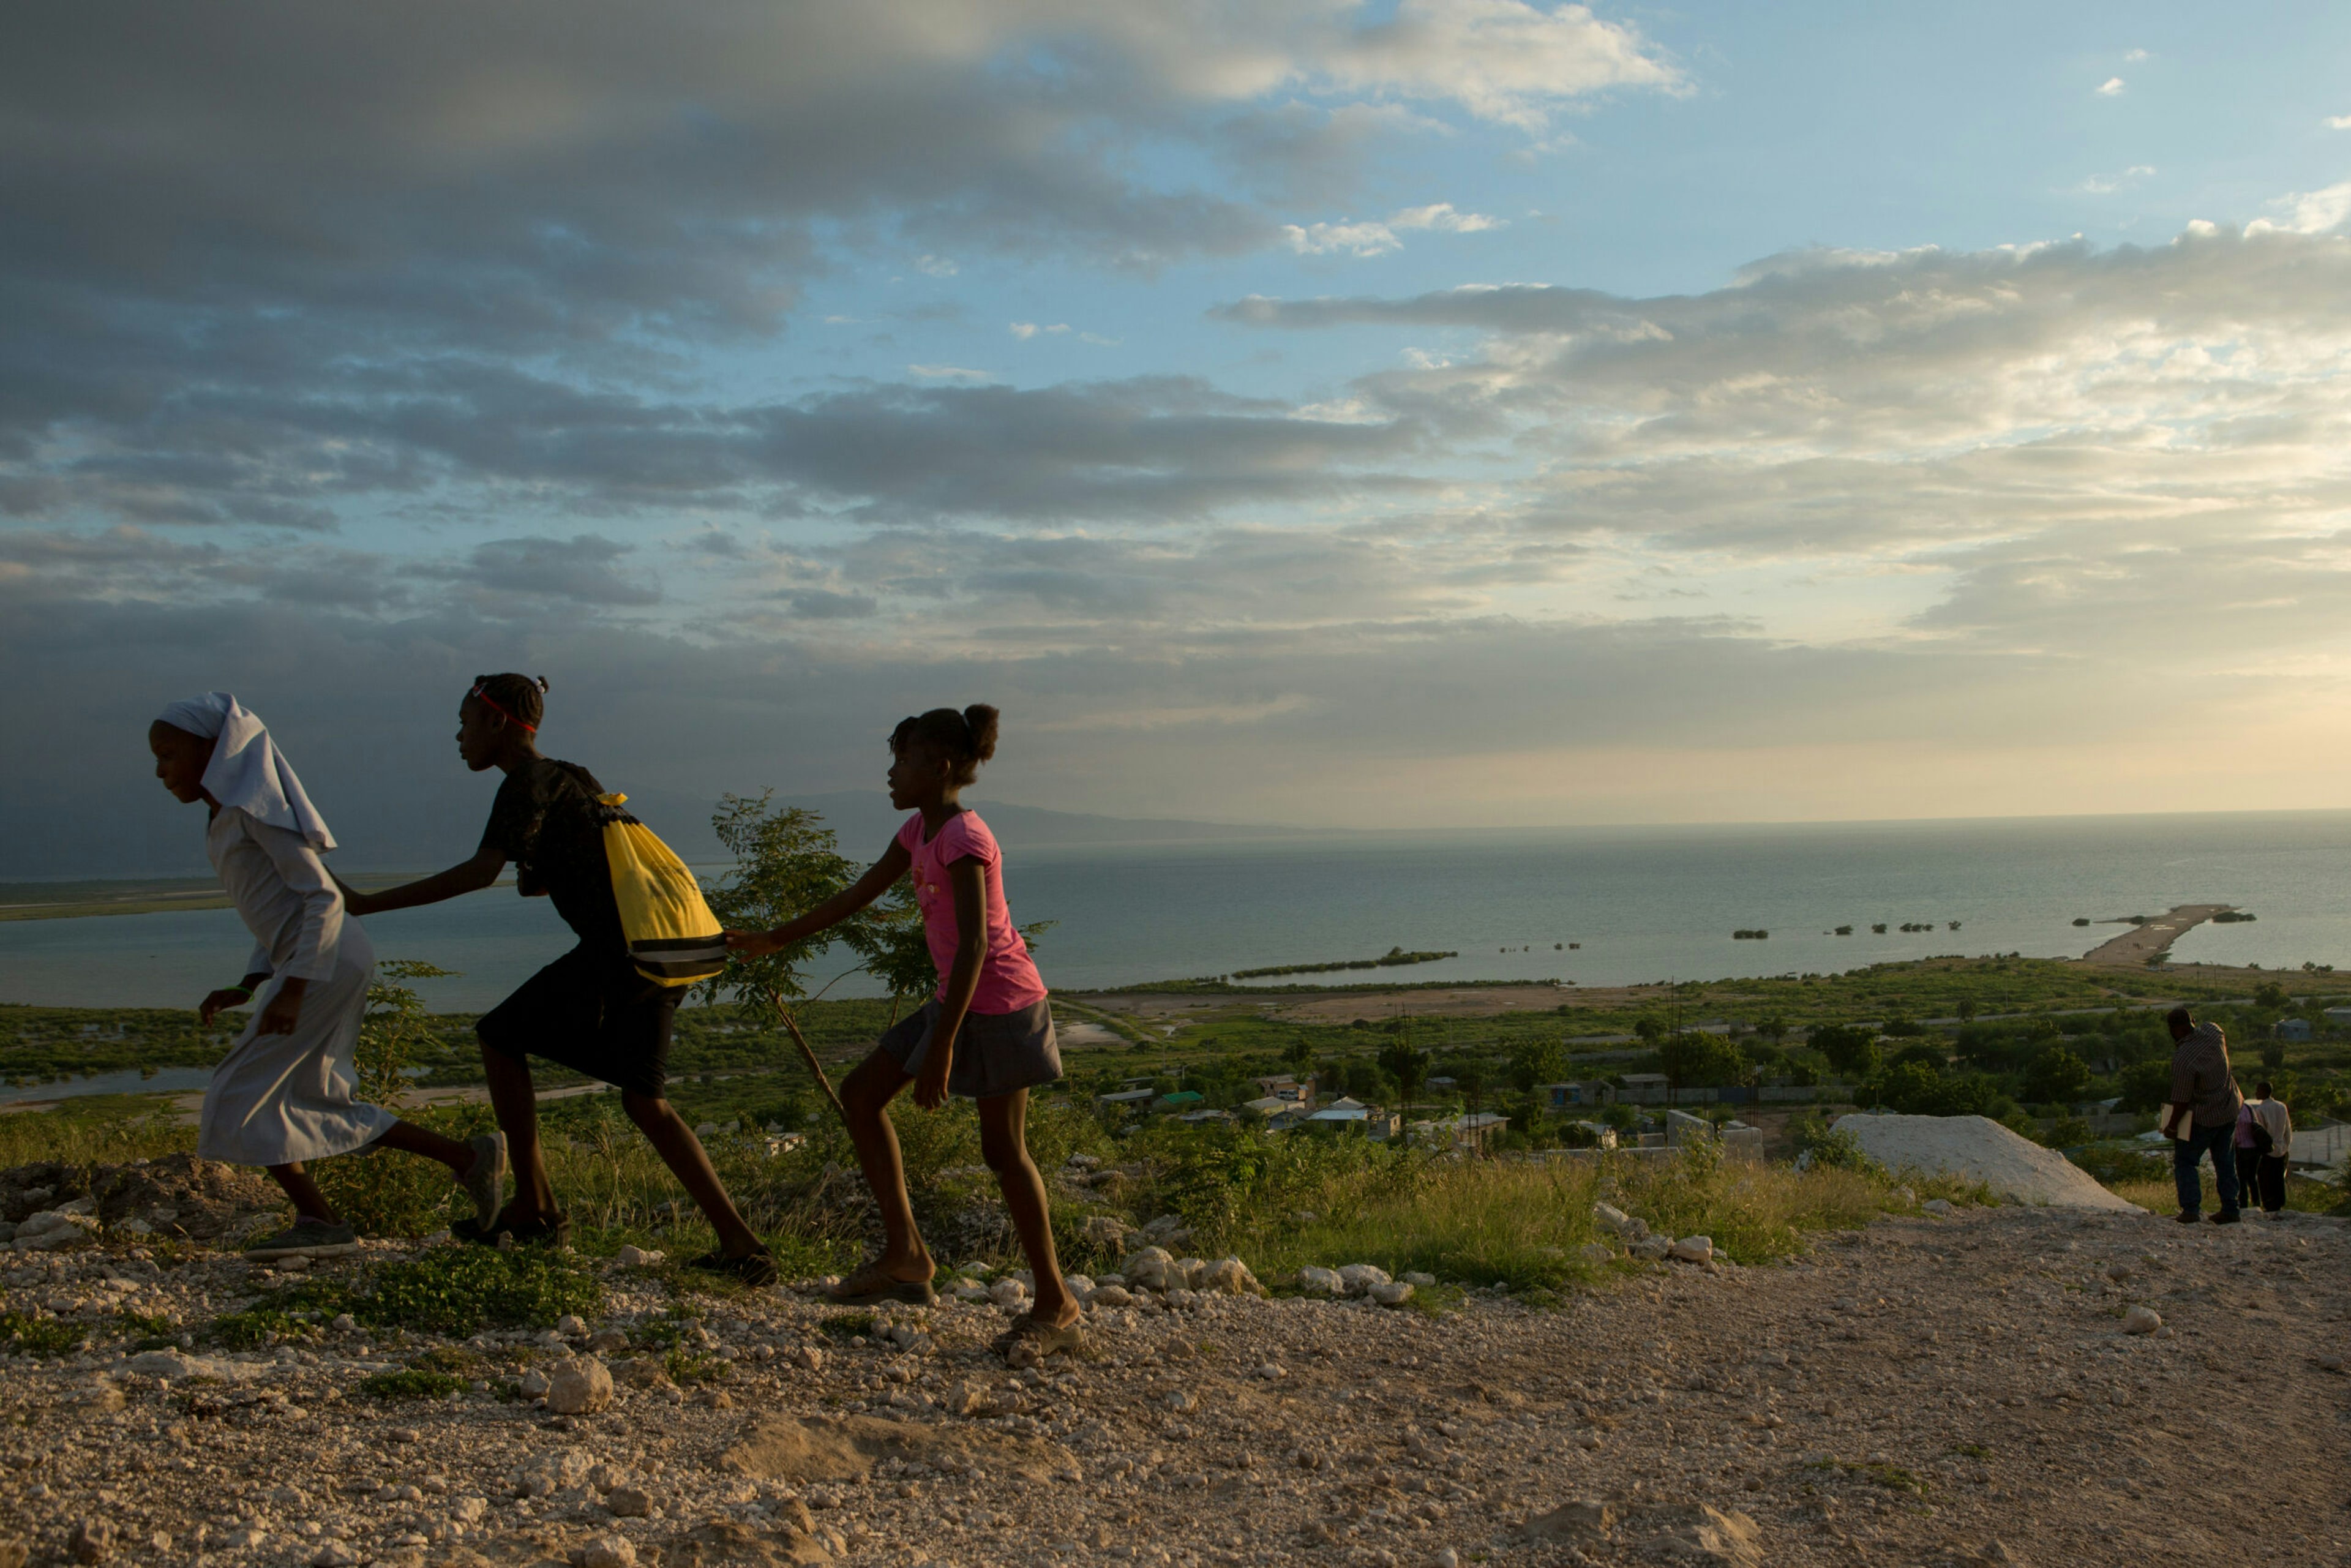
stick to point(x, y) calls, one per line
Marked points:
point(284, 1011)
point(931, 1084)
point(2171, 1128)
point(751, 944)
point(220, 1001)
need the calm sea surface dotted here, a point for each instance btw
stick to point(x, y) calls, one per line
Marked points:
point(1646, 903)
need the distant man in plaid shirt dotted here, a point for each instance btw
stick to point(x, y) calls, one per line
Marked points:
point(2203, 1119)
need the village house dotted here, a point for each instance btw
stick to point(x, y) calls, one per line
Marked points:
point(1641, 1088)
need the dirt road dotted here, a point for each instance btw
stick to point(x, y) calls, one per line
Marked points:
point(2135, 946)
point(1927, 1392)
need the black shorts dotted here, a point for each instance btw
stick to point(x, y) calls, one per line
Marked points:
point(593, 1013)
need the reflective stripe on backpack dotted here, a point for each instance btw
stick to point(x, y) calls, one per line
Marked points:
point(673, 939)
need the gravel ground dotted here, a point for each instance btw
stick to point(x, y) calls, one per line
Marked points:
point(1928, 1391)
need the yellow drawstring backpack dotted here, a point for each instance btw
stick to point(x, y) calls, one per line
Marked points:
point(673, 939)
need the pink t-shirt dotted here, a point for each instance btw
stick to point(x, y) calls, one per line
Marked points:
point(1008, 981)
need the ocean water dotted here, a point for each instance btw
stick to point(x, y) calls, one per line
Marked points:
point(1643, 904)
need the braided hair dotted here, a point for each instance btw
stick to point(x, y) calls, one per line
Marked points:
point(966, 739)
point(521, 699)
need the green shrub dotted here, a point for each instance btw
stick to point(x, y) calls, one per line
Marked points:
point(1828, 1148)
point(28, 1335)
point(460, 1291)
point(412, 1383)
point(281, 1314)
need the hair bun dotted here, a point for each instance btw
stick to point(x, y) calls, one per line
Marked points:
point(981, 720)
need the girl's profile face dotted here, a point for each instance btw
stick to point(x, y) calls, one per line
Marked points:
point(917, 773)
point(181, 759)
point(480, 733)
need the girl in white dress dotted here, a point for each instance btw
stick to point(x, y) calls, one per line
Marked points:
point(283, 1093)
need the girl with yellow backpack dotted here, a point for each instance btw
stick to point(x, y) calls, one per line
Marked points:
point(606, 1008)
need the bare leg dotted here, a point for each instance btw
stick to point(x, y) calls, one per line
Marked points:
point(1004, 1144)
point(515, 1103)
point(865, 1095)
point(683, 1154)
point(308, 1201)
point(411, 1139)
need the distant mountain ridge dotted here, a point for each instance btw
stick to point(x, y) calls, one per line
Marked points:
point(428, 831)
point(863, 822)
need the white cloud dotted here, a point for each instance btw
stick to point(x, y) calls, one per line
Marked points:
point(2107, 185)
point(1323, 239)
point(1024, 331)
point(936, 267)
point(949, 373)
point(1443, 218)
point(1377, 237)
point(2309, 211)
point(2339, 121)
point(2134, 55)
point(1501, 60)
point(2111, 88)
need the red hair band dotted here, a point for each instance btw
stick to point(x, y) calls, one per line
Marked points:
point(481, 696)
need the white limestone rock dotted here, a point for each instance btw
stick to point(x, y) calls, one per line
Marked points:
point(581, 1386)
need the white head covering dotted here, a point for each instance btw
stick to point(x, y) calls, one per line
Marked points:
point(246, 771)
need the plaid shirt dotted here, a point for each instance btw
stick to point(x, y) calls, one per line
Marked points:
point(2200, 1078)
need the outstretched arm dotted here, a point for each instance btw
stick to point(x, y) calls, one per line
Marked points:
point(465, 876)
point(878, 880)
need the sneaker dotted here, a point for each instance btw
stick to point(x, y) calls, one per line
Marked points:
point(754, 1269)
point(2187, 1217)
point(2226, 1217)
point(304, 1238)
point(547, 1230)
point(486, 1179)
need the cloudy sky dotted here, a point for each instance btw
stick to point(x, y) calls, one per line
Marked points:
point(1413, 414)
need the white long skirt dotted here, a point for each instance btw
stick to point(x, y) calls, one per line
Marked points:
point(279, 1098)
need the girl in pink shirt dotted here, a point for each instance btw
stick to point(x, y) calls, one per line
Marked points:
point(987, 1034)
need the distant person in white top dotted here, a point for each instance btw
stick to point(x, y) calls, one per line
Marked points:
point(2264, 1136)
point(283, 1093)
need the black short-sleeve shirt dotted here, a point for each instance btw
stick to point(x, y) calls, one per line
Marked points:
point(543, 821)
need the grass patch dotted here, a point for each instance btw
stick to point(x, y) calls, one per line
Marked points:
point(845, 1325)
point(460, 1291)
point(1893, 1477)
point(28, 1335)
point(1518, 1223)
point(450, 1291)
point(287, 1313)
point(686, 1367)
point(412, 1383)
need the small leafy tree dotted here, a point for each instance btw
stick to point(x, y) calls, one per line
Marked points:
point(1696, 1060)
point(1534, 1061)
point(786, 864)
point(2057, 1076)
point(1852, 1053)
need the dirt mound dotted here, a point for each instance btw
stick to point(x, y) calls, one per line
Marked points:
point(843, 1447)
point(1978, 1149)
point(178, 1195)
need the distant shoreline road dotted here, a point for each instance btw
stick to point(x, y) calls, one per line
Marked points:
point(2133, 948)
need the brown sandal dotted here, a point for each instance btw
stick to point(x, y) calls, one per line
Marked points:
point(1031, 1341)
point(868, 1286)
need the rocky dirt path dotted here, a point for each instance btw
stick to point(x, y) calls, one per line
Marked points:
point(1929, 1391)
